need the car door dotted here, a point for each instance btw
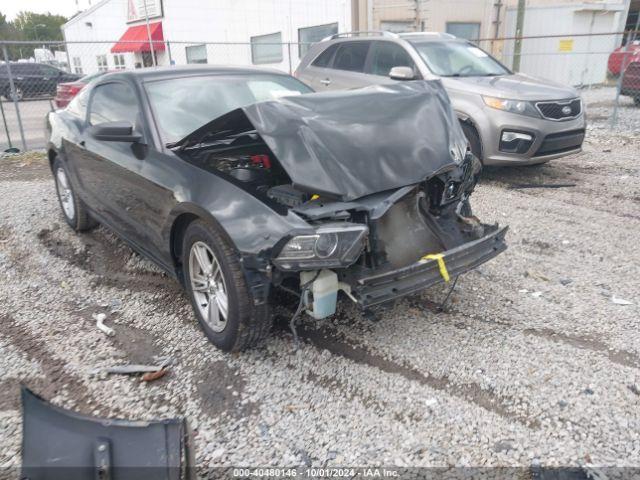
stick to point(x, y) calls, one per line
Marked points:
point(348, 67)
point(383, 57)
point(110, 170)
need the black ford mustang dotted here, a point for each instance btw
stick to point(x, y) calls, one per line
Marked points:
point(241, 181)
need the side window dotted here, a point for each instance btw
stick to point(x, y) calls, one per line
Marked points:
point(351, 56)
point(387, 55)
point(324, 59)
point(47, 71)
point(113, 102)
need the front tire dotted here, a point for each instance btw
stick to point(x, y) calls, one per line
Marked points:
point(73, 209)
point(218, 290)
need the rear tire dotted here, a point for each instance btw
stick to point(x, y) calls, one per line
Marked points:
point(218, 290)
point(73, 209)
point(474, 139)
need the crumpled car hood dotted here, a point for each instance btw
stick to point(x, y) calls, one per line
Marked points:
point(350, 144)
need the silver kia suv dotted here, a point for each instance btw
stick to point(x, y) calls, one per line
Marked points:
point(509, 118)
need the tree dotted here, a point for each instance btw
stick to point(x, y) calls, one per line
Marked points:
point(39, 26)
point(30, 26)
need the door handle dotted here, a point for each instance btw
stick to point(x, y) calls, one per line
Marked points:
point(326, 82)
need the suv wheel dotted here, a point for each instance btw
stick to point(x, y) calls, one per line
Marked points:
point(218, 290)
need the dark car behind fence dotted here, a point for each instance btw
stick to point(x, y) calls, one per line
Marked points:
point(28, 88)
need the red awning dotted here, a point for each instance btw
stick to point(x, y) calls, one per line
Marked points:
point(136, 39)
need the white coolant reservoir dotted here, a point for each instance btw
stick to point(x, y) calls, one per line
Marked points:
point(324, 292)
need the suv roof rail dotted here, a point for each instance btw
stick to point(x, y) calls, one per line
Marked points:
point(426, 34)
point(382, 33)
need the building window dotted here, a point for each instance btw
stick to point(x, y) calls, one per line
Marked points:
point(310, 35)
point(77, 65)
point(118, 62)
point(469, 31)
point(102, 63)
point(196, 54)
point(397, 26)
point(266, 48)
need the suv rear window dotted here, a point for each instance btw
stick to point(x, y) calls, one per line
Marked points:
point(324, 59)
point(351, 56)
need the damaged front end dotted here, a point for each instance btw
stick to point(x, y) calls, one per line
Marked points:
point(408, 240)
point(378, 180)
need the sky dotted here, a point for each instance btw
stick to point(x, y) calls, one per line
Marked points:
point(61, 7)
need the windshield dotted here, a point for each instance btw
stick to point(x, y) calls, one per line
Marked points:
point(181, 105)
point(458, 59)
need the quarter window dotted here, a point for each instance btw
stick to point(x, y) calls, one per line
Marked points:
point(351, 56)
point(310, 35)
point(387, 55)
point(102, 63)
point(324, 59)
point(266, 48)
point(114, 102)
point(196, 54)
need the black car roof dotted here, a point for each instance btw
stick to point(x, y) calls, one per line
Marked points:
point(157, 73)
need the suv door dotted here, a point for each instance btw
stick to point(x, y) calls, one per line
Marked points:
point(347, 69)
point(383, 57)
point(109, 171)
point(317, 73)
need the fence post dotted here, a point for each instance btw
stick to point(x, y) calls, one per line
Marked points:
point(13, 96)
point(289, 53)
point(6, 127)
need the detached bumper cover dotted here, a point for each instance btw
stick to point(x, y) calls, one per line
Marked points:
point(61, 444)
point(379, 288)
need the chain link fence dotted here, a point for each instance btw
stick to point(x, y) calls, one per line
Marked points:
point(37, 77)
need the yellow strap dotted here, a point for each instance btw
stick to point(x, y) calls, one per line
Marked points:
point(441, 265)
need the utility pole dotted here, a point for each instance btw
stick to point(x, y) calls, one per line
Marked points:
point(517, 49)
point(496, 25)
point(146, 19)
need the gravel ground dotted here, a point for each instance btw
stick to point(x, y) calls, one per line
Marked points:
point(533, 362)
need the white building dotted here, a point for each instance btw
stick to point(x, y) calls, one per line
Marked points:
point(578, 43)
point(113, 34)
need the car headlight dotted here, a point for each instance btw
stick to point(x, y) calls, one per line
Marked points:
point(336, 245)
point(514, 106)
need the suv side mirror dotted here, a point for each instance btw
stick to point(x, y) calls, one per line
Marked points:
point(402, 73)
point(114, 132)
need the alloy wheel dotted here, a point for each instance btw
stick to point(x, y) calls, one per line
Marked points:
point(65, 194)
point(208, 286)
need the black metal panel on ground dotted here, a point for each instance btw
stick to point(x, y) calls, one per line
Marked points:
point(61, 444)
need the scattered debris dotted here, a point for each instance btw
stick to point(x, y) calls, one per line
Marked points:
point(540, 185)
point(634, 389)
point(100, 318)
point(621, 301)
point(565, 281)
point(135, 368)
point(588, 391)
point(536, 275)
point(151, 376)
point(536, 294)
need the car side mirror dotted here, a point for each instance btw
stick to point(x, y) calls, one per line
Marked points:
point(402, 73)
point(114, 132)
